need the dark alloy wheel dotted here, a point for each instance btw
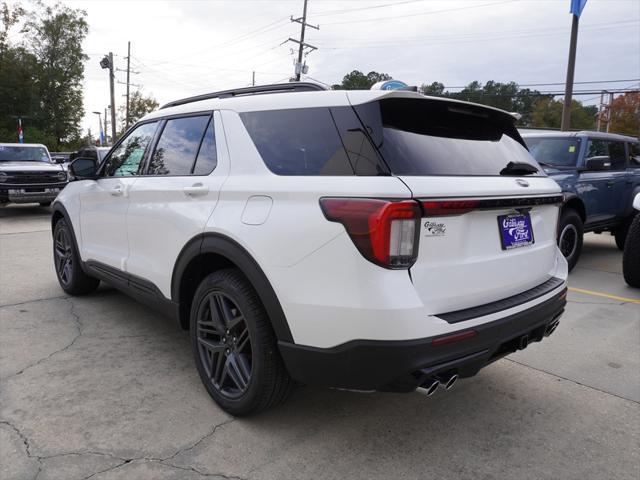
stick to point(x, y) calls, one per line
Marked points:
point(63, 256)
point(570, 231)
point(234, 346)
point(224, 344)
point(66, 260)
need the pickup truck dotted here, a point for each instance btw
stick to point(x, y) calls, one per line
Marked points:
point(28, 175)
point(599, 174)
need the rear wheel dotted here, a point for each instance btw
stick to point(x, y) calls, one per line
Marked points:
point(631, 256)
point(570, 232)
point(235, 347)
point(66, 260)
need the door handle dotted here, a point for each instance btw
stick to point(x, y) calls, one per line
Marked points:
point(117, 191)
point(196, 189)
point(610, 183)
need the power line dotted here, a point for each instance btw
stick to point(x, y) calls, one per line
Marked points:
point(349, 10)
point(431, 12)
point(562, 83)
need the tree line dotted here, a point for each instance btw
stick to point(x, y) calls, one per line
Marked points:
point(536, 109)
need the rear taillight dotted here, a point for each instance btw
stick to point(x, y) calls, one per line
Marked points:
point(439, 208)
point(385, 232)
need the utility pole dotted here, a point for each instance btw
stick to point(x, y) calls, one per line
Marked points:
point(107, 63)
point(105, 125)
point(253, 79)
point(576, 10)
point(127, 117)
point(299, 67)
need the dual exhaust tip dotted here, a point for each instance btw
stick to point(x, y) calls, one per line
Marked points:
point(431, 384)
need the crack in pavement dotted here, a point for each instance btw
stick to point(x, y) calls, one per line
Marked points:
point(26, 443)
point(33, 301)
point(79, 326)
point(573, 381)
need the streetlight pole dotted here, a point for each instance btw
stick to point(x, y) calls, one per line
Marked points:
point(107, 63)
point(99, 126)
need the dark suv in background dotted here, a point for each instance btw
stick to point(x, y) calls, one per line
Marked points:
point(599, 174)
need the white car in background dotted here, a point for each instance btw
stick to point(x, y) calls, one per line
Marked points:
point(28, 175)
point(373, 240)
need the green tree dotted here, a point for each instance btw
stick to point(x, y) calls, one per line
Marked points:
point(139, 106)
point(56, 38)
point(547, 113)
point(356, 80)
point(435, 89)
point(625, 114)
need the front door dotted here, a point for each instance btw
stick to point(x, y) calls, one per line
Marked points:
point(105, 201)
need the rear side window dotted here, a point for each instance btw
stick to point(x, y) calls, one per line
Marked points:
point(298, 141)
point(178, 146)
point(431, 137)
point(207, 156)
point(634, 154)
point(607, 148)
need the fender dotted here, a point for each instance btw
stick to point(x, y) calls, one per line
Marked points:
point(233, 253)
point(60, 211)
point(628, 209)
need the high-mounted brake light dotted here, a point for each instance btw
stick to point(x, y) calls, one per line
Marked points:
point(385, 232)
point(439, 208)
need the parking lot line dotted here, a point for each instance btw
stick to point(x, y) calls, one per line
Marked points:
point(605, 295)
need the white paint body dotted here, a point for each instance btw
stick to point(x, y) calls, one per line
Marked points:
point(329, 292)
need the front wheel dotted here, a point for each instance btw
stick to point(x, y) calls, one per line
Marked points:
point(66, 260)
point(631, 255)
point(570, 232)
point(235, 347)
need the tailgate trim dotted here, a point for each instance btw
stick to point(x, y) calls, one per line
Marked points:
point(504, 304)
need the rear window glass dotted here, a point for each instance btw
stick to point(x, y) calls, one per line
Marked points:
point(554, 151)
point(298, 141)
point(23, 154)
point(178, 146)
point(430, 137)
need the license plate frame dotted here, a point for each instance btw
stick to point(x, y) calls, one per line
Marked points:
point(515, 230)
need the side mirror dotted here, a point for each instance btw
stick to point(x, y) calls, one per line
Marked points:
point(84, 168)
point(58, 160)
point(597, 163)
point(73, 156)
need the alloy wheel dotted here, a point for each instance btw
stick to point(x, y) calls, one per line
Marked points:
point(568, 240)
point(224, 344)
point(63, 256)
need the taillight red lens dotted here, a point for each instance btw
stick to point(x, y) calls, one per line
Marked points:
point(385, 232)
point(439, 208)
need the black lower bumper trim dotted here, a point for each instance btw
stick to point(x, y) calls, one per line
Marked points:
point(403, 365)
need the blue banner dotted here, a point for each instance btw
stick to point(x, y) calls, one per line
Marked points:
point(577, 6)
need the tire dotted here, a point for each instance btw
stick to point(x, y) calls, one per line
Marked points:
point(621, 233)
point(570, 233)
point(631, 255)
point(45, 204)
point(67, 263)
point(235, 348)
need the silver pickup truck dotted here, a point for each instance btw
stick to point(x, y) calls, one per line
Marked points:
point(28, 175)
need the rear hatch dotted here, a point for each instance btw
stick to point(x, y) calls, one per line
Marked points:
point(489, 211)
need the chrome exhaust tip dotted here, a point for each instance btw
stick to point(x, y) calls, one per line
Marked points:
point(429, 386)
point(551, 328)
point(447, 382)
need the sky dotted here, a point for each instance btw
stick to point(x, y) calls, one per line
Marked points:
point(181, 48)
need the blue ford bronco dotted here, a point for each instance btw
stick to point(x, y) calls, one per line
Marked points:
point(599, 174)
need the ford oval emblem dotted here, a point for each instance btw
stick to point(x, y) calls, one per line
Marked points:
point(521, 182)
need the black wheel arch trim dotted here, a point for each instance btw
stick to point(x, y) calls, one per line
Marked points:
point(59, 209)
point(214, 243)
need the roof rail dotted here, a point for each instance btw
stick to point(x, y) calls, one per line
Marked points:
point(256, 90)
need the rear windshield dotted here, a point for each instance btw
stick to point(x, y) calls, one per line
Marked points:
point(23, 154)
point(555, 151)
point(430, 137)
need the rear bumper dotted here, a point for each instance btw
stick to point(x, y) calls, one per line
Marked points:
point(404, 365)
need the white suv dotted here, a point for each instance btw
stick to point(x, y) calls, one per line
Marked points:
point(369, 240)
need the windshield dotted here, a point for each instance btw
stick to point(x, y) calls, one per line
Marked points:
point(23, 154)
point(425, 137)
point(556, 151)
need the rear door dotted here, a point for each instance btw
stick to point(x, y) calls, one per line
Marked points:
point(489, 212)
point(596, 188)
point(171, 202)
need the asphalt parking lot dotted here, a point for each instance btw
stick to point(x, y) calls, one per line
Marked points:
point(101, 387)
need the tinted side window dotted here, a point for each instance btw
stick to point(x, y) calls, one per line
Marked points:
point(617, 155)
point(178, 145)
point(126, 158)
point(596, 148)
point(634, 154)
point(298, 141)
point(207, 156)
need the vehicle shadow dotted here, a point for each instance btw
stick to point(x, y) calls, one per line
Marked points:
point(24, 211)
